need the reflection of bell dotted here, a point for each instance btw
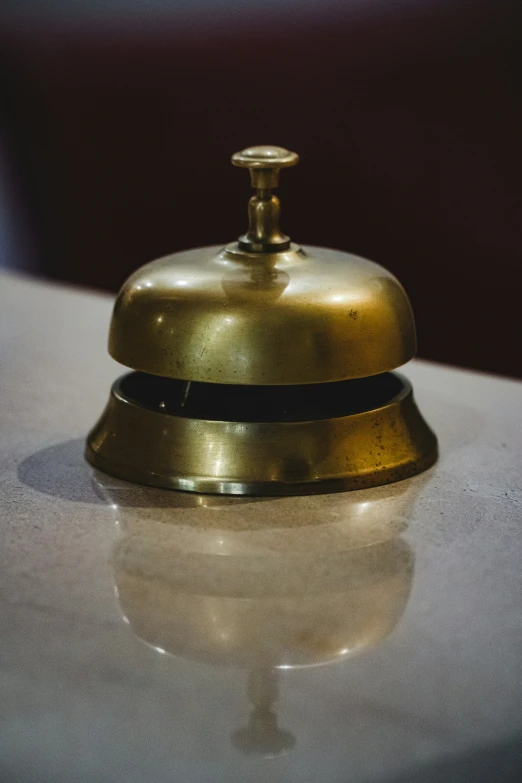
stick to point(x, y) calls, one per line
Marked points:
point(262, 736)
point(262, 367)
point(255, 612)
point(191, 585)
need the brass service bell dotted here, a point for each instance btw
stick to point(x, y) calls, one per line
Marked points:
point(262, 367)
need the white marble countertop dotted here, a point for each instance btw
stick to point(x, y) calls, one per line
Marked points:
point(154, 636)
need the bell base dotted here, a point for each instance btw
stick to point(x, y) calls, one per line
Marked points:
point(365, 449)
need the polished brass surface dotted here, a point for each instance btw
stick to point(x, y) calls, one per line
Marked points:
point(362, 449)
point(262, 311)
point(264, 162)
point(308, 315)
point(262, 367)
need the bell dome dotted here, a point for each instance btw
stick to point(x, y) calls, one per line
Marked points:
point(262, 310)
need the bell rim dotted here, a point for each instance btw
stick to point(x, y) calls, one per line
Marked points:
point(137, 444)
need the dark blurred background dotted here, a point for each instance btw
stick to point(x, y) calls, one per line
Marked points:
point(118, 118)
